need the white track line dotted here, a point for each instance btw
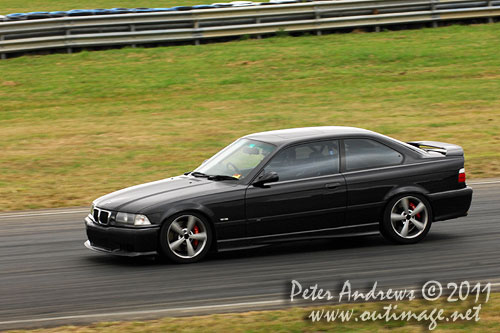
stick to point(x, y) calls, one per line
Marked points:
point(485, 183)
point(45, 213)
point(139, 312)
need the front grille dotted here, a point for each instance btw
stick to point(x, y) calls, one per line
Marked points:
point(101, 216)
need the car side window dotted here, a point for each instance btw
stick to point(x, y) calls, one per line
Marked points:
point(306, 160)
point(367, 154)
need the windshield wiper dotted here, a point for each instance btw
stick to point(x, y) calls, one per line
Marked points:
point(211, 177)
point(222, 177)
point(197, 174)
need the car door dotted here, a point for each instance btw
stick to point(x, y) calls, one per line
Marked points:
point(310, 195)
point(371, 169)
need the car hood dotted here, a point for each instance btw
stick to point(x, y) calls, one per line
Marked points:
point(137, 198)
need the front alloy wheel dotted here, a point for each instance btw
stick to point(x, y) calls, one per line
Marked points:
point(185, 238)
point(407, 219)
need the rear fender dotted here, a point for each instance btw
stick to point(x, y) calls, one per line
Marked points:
point(406, 190)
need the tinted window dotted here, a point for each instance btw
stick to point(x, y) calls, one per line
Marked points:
point(306, 160)
point(366, 154)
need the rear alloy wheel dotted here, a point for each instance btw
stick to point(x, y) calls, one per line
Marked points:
point(185, 238)
point(407, 219)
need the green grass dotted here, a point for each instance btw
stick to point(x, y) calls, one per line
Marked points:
point(16, 6)
point(77, 126)
point(294, 320)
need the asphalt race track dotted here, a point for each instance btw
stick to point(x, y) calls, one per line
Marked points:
point(47, 276)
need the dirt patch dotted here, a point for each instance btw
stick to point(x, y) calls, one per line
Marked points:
point(9, 83)
point(243, 63)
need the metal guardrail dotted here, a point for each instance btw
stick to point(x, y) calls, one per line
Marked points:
point(195, 25)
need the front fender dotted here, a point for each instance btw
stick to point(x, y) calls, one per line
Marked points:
point(187, 206)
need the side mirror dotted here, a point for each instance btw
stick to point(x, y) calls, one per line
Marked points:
point(269, 177)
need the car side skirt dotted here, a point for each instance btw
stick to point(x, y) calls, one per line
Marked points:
point(343, 231)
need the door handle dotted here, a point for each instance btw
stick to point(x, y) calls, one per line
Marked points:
point(332, 185)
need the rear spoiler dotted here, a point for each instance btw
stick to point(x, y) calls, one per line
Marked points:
point(446, 149)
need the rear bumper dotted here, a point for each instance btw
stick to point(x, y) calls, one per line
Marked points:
point(121, 241)
point(451, 204)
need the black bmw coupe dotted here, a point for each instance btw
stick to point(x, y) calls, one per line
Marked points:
point(284, 185)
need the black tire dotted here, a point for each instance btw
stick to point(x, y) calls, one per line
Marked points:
point(393, 228)
point(174, 238)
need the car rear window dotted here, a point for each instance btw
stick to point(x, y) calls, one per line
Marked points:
point(368, 154)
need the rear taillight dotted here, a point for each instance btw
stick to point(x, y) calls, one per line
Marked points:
point(461, 175)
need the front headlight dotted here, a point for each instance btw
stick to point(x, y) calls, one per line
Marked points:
point(132, 219)
point(92, 209)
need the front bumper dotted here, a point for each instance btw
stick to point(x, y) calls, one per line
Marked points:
point(130, 242)
point(451, 204)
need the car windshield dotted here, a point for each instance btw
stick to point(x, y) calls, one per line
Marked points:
point(237, 160)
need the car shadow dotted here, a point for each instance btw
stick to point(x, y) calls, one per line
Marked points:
point(305, 246)
point(319, 245)
point(274, 250)
point(105, 259)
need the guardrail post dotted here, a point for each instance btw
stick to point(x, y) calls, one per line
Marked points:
point(377, 27)
point(317, 16)
point(132, 29)
point(2, 55)
point(196, 27)
point(257, 21)
point(490, 4)
point(433, 9)
point(69, 50)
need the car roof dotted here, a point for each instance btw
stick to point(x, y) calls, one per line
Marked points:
point(292, 135)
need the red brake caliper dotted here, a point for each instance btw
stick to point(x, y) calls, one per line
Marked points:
point(412, 206)
point(196, 230)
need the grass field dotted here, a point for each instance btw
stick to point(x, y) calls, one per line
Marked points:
point(16, 6)
point(77, 126)
point(295, 320)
